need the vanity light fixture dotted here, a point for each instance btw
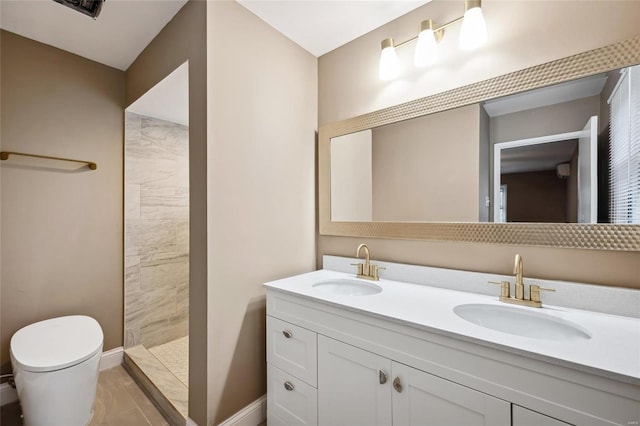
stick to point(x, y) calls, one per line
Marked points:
point(473, 34)
point(427, 47)
point(389, 64)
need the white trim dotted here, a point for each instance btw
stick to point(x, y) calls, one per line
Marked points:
point(251, 415)
point(623, 71)
point(109, 359)
point(498, 147)
point(191, 422)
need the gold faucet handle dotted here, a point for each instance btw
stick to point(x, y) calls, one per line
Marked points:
point(534, 292)
point(360, 266)
point(374, 271)
point(505, 290)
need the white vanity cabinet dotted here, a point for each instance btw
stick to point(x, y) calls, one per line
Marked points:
point(359, 388)
point(354, 386)
point(291, 374)
point(331, 364)
point(428, 400)
point(524, 417)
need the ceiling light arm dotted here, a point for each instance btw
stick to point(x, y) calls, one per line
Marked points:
point(442, 27)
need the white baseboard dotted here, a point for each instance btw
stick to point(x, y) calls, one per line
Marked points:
point(190, 422)
point(251, 415)
point(109, 359)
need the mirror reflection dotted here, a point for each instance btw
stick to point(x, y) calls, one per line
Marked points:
point(560, 154)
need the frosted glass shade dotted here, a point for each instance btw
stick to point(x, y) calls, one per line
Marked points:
point(426, 49)
point(389, 64)
point(473, 33)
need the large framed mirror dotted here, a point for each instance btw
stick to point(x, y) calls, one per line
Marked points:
point(545, 156)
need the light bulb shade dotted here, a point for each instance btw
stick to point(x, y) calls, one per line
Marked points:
point(473, 33)
point(426, 49)
point(389, 64)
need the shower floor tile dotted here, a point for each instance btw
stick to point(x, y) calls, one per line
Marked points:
point(175, 356)
point(169, 392)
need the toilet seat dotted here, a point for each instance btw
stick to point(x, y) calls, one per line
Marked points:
point(56, 343)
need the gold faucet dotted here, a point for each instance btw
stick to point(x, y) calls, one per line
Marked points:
point(366, 271)
point(534, 290)
point(517, 269)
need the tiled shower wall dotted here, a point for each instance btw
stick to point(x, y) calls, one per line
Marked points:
point(156, 237)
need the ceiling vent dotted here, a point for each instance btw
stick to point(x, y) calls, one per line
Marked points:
point(88, 7)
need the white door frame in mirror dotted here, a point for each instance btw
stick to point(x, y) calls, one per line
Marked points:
point(569, 235)
point(587, 171)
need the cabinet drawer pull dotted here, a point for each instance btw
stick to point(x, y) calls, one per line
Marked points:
point(287, 334)
point(397, 385)
point(382, 376)
point(289, 386)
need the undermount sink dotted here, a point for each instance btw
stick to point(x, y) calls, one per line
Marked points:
point(521, 322)
point(347, 287)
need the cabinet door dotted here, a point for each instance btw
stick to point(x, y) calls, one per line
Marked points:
point(525, 417)
point(354, 386)
point(291, 401)
point(423, 399)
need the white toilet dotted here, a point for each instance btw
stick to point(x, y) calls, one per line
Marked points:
point(55, 366)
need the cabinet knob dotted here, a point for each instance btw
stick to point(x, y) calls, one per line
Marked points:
point(287, 334)
point(382, 376)
point(289, 386)
point(397, 385)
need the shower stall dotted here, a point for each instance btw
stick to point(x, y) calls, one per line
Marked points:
point(156, 244)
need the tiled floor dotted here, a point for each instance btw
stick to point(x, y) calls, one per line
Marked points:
point(173, 391)
point(119, 402)
point(175, 356)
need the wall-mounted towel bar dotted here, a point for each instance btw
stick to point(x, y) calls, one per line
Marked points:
point(4, 155)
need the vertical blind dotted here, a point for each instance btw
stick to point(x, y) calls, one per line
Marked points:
point(624, 149)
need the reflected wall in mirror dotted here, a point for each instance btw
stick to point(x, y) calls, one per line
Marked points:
point(546, 154)
point(400, 171)
point(440, 184)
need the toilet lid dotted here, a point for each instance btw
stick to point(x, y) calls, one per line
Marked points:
point(56, 343)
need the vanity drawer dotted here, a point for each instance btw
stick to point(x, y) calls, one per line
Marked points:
point(293, 349)
point(291, 401)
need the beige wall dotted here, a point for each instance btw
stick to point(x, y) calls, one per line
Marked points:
point(262, 114)
point(182, 39)
point(544, 121)
point(420, 162)
point(61, 232)
point(351, 185)
point(535, 197)
point(348, 86)
point(484, 156)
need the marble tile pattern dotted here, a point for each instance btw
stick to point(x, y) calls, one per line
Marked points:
point(156, 231)
point(119, 401)
point(172, 389)
point(175, 356)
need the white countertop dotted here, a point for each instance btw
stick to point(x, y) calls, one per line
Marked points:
point(612, 351)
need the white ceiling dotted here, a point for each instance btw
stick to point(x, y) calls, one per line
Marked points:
point(536, 158)
point(320, 26)
point(550, 95)
point(167, 100)
point(122, 30)
point(125, 27)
